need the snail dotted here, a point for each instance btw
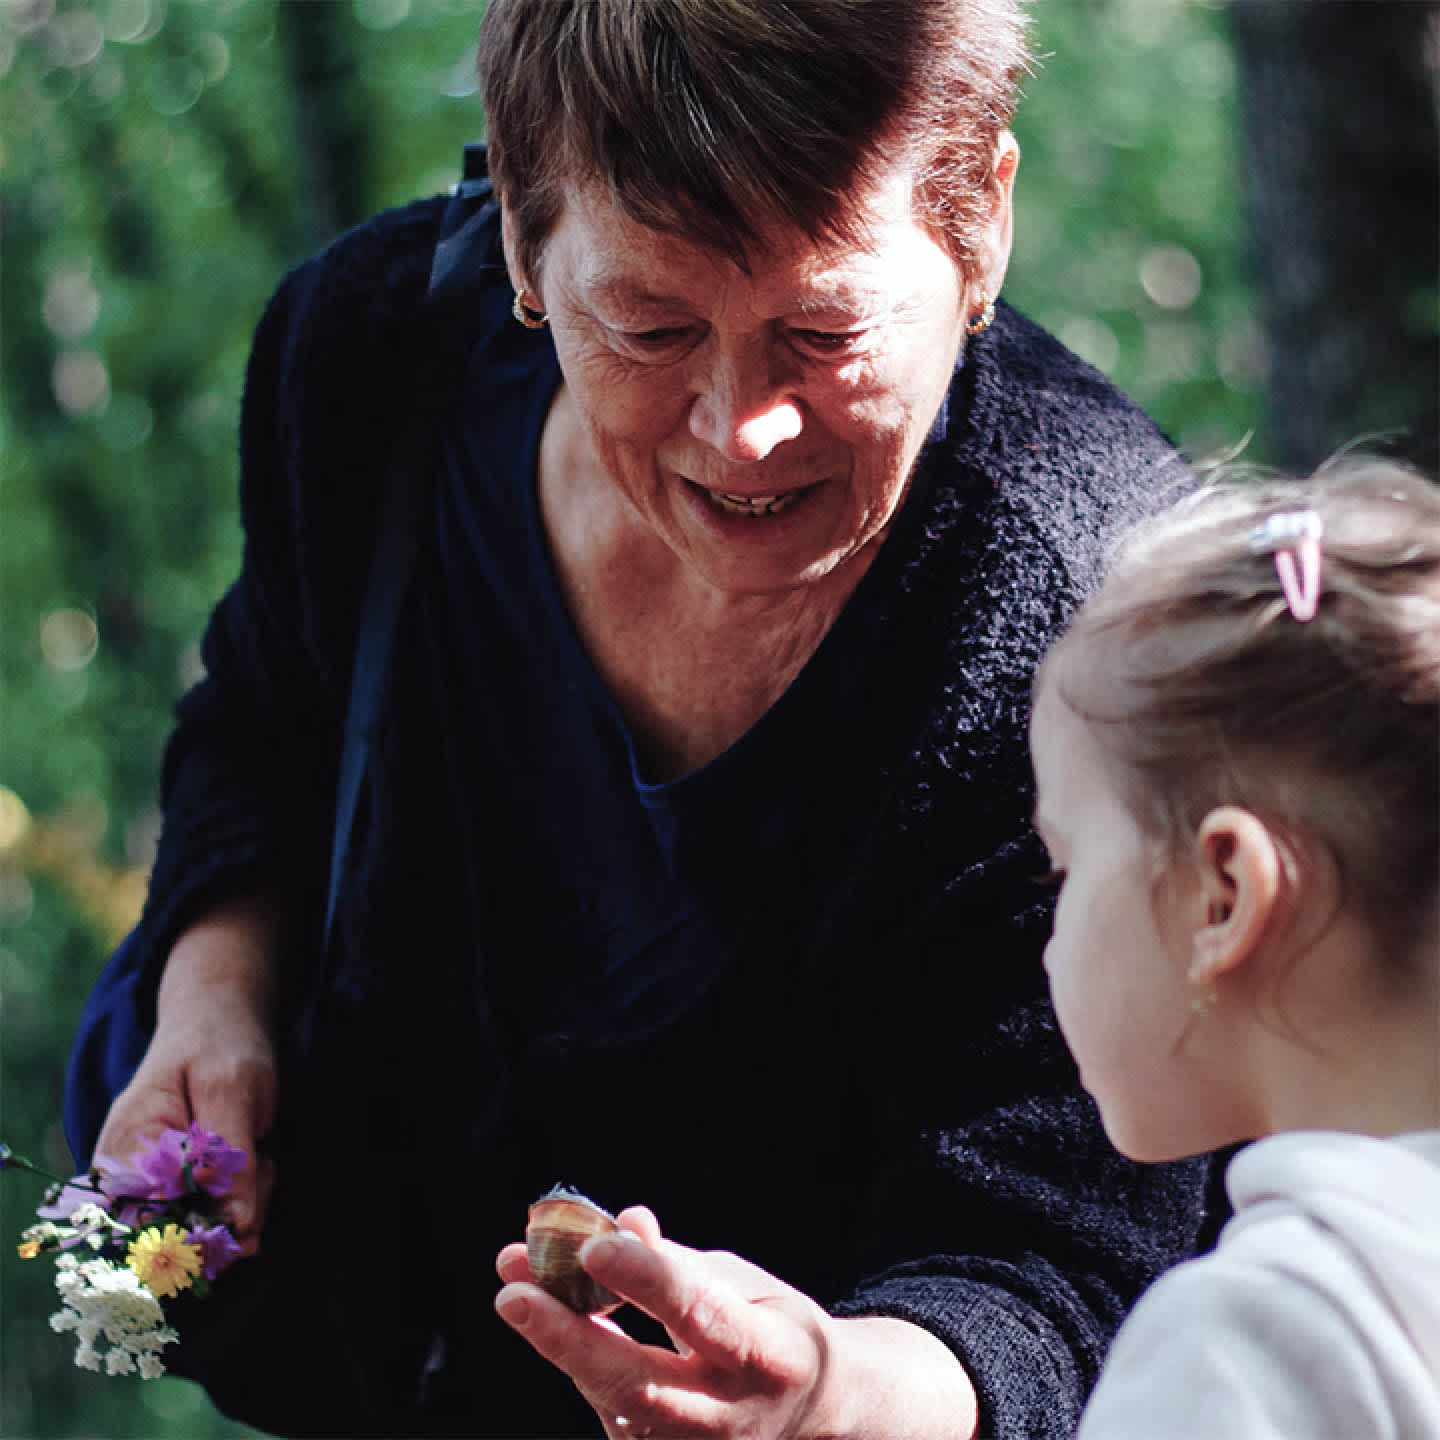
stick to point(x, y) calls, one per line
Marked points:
point(560, 1222)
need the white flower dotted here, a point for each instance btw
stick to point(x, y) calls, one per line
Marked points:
point(104, 1299)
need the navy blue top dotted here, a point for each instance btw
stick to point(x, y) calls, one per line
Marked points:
point(625, 942)
point(630, 937)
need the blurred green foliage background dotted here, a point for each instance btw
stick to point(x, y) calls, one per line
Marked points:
point(163, 164)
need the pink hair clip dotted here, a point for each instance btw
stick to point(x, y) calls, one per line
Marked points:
point(1293, 538)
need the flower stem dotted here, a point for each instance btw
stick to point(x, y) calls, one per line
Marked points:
point(9, 1160)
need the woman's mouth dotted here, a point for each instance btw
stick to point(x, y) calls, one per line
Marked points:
point(752, 505)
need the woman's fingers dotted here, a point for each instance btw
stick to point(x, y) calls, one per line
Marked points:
point(237, 1101)
point(140, 1109)
point(640, 1220)
point(613, 1372)
point(512, 1265)
point(707, 1303)
point(749, 1353)
point(222, 1078)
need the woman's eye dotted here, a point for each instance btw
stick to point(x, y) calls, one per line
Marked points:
point(828, 342)
point(669, 337)
point(1052, 879)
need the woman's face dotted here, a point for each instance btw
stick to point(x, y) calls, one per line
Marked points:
point(1118, 958)
point(762, 426)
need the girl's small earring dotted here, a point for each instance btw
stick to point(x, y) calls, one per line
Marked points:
point(529, 318)
point(983, 320)
point(1203, 1002)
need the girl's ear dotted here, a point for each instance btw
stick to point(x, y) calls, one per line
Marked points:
point(1240, 882)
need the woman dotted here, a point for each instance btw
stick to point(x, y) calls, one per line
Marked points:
point(696, 860)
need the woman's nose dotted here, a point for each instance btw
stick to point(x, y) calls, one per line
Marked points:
point(743, 413)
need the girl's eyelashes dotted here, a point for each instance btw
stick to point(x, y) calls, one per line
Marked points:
point(1051, 879)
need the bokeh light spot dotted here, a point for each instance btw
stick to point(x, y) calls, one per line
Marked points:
point(72, 304)
point(14, 819)
point(81, 383)
point(212, 53)
point(1242, 355)
point(173, 86)
point(1171, 276)
point(1093, 340)
point(133, 22)
point(69, 639)
point(23, 16)
point(381, 14)
point(80, 37)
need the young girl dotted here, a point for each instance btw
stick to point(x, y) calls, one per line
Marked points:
point(1237, 754)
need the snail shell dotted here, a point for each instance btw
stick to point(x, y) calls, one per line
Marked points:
point(560, 1223)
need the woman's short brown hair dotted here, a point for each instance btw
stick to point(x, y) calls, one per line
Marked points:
point(720, 119)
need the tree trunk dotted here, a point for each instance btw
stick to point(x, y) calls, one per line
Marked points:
point(1340, 112)
point(333, 138)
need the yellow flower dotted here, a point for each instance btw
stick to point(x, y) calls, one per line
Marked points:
point(29, 1250)
point(162, 1260)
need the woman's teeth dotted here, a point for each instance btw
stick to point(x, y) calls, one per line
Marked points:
point(752, 504)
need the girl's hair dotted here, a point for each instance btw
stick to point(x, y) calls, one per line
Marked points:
point(719, 119)
point(1203, 689)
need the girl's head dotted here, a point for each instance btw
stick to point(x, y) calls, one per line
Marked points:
point(1188, 724)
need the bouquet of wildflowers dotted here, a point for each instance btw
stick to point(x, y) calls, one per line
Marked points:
point(130, 1236)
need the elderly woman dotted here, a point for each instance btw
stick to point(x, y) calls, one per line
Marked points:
point(694, 863)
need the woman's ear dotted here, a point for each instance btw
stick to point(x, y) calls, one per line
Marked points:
point(518, 283)
point(1240, 883)
point(999, 230)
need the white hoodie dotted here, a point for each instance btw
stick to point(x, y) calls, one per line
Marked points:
point(1317, 1317)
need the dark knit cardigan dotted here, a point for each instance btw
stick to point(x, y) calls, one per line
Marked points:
point(877, 1106)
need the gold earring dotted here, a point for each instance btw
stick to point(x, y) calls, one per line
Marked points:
point(1203, 1002)
point(983, 319)
point(531, 319)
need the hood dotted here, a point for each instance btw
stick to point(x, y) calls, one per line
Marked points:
point(1381, 1198)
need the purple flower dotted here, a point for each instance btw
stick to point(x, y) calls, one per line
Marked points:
point(162, 1163)
point(174, 1164)
point(61, 1203)
point(213, 1163)
point(137, 1213)
point(120, 1181)
point(218, 1247)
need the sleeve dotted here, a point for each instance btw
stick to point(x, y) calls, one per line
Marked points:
point(250, 769)
point(1021, 1237)
point(1221, 1348)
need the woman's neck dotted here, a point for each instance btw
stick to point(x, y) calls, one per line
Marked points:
point(691, 666)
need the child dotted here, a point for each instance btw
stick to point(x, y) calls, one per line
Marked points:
point(1237, 755)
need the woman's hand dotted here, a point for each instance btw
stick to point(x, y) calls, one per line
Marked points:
point(212, 1057)
point(754, 1357)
